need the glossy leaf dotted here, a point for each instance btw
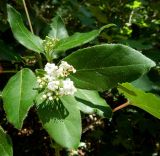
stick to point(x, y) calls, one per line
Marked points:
point(18, 96)
point(78, 39)
point(21, 33)
point(143, 83)
point(90, 102)
point(57, 28)
point(7, 53)
point(104, 66)
point(62, 121)
point(146, 101)
point(5, 144)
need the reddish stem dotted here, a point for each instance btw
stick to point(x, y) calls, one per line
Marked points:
point(121, 106)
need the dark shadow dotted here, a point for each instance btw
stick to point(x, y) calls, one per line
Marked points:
point(52, 110)
point(107, 112)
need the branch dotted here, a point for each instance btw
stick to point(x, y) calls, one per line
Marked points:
point(121, 106)
point(27, 14)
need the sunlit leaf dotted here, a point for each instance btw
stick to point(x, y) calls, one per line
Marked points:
point(18, 96)
point(146, 101)
point(62, 121)
point(78, 39)
point(21, 33)
point(5, 144)
point(104, 66)
point(57, 28)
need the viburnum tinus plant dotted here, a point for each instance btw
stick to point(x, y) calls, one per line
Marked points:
point(60, 91)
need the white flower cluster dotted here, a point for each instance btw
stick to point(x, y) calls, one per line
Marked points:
point(55, 82)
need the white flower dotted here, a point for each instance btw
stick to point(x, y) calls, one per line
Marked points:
point(50, 77)
point(39, 80)
point(50, 68)
point(50, 98)
point(64, 65)
point(40, 86)
point(54, 82)
point(44, 96)
point(73, 70)
point(66, 68)
point(67, 87)
point(59, 72)
point(49, 94)
point(53, 85)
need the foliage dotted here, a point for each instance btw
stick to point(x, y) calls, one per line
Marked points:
point(5, 145)
point(100, 68)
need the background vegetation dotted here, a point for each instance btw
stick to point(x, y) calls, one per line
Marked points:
point(131, 131)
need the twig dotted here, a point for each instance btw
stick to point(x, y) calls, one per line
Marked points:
point(130, 18)
point(121, 106)
point(27, 14)
point(8, 71)
point(30, 25)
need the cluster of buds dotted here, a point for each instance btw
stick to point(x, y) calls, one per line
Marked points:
point(49, 44)
point(55, 83)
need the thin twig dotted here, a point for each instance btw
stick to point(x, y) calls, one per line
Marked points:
point(31, 28)
point(121, 106)
point(27, 14)
point(130, 17)
point(8, 71)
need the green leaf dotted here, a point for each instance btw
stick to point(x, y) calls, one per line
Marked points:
point(103, 67)
point(21, 33)
point(7, 53)
point(18, 96)
point(62, 121)
point(146, 101)
point(98, 13)
point(90, 102)
point(5, 144)
point(58, 29)
point(141, 44)
point(78, 39)
point(144, 83)
point(40, 72)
